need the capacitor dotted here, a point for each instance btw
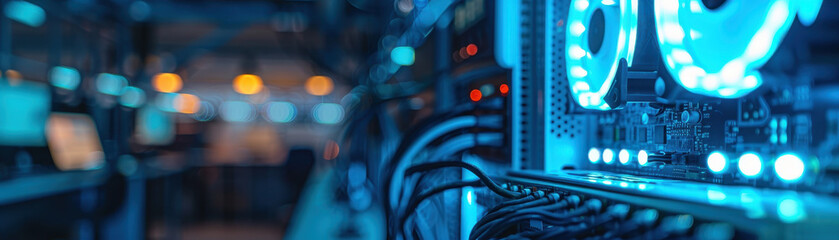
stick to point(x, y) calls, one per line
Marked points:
point(691, 117)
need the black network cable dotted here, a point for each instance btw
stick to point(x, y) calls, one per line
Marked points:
point(414, 203)
point(455, 145)
point(407, 142)
point(489, 217)
point(492, 228)
point(542, 211)
point(422, 167)
point(615, 212)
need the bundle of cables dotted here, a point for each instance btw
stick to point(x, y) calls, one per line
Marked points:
point(566, 218)
point(462, 128)
point(483, 180)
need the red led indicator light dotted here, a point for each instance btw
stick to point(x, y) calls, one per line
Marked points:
point(504, 89)
point(472, 49)
point(475, 95)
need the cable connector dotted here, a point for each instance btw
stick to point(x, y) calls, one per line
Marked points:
point(525, 191)
point(573, 200)
point(554, 197)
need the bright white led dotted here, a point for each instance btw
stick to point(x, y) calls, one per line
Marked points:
point(750, 164)
point(577, 28)
point(717, 162)
point(642, 157)
point(581, 86)
point(581, 5)
point(673, 33)
point(578, 72)
point(682, 56)
point(608, 156)
point(623, 156)
point(576, 52)
point(789, 167)
point(593, 155)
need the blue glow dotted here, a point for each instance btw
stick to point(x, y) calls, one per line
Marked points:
point(717, 162)
point(791, 210)
point(623, 156)
point(608, 156)
point(506, 28)
point(154, 127)
point(808, 10)
point(65, 77)
point(469, 197)
point(789, 167)
point(111, 84)
point(132, 97)
point(402, 55)
point(591, 75)
point(642, 157)
point(23, 113)
point(281, 112)
point(25, 12)
point(750, 164)
point(237, 111)
point(716, 196)
point(593, 155)
point(752, 31)
point(166, 101)
point(328, 113)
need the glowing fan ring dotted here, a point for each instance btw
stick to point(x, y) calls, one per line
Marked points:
point(705, 58)
point(591, 74)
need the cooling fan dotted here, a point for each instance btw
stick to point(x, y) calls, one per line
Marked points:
point(599, 35)
point(716, 48)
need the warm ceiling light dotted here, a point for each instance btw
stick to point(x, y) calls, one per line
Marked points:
point(319, 85)
point(247, 84)
point(167, 82)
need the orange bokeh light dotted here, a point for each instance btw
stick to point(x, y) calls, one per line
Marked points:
point(319, 85)
point(247, 84)
point(331, 150)
point(187, 103)
point(167, 82)
point(475, 95)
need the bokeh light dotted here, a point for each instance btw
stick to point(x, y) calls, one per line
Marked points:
point(132, 97)
point(237, 111)
point(402, 55)
point(281, 112)
point(187, 103)
point(472, 49)
point(331, 150)
point(247, 84)
point(111, 84)
point(319, 85)
point(475, 95)
point(167, 82)
point(65, 77)
point(328, 113)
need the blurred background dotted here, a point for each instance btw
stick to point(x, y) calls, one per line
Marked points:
point(161, 119)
